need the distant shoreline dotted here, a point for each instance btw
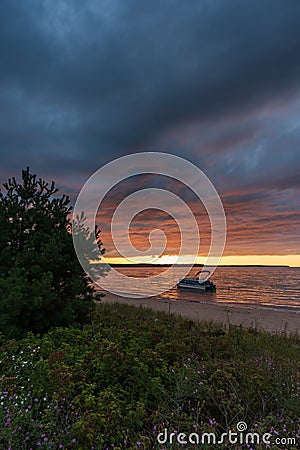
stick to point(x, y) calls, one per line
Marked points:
point(195, 265)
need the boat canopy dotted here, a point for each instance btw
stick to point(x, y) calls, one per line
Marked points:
point(203, 272)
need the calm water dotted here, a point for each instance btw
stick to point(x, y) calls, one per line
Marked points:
point(245, 286)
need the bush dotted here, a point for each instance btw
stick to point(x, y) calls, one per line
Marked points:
point(135, 372)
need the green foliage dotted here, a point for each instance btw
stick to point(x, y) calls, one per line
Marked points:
point(135, 372)
point(41, 281)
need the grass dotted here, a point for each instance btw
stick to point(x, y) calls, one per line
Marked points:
point(135, 372)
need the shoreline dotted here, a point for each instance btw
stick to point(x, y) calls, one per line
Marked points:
point(262, 319)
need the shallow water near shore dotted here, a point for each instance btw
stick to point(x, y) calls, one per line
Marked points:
point(263, 287)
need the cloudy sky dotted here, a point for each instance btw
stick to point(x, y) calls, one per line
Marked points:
point(214, 81)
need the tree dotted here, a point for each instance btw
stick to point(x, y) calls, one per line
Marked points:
point(41, 281)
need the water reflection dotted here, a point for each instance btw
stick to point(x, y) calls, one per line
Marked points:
point(257, 286)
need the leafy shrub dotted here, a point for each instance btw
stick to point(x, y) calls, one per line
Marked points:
point(135, 372)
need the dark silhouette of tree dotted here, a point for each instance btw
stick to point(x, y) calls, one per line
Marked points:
point(42, 284)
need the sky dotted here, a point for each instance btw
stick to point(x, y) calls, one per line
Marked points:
point(214, 81)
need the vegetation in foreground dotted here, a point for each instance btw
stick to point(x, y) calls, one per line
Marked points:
point(119, 382)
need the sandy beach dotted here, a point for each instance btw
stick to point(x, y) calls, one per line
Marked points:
point(262, 319)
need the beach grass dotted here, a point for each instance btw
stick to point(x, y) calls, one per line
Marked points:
point(134, 373)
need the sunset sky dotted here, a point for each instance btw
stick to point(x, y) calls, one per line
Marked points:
point(214, 81)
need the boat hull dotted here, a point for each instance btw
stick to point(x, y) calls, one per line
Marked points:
point(198, 287)
point(185, 286)
point(196, 283)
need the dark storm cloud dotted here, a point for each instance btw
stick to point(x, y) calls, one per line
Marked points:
point(215, 81)
point(114, 75)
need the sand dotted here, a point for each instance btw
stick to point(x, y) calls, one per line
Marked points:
point(270, 320)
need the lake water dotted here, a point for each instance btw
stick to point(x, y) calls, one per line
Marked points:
point(266, 287)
